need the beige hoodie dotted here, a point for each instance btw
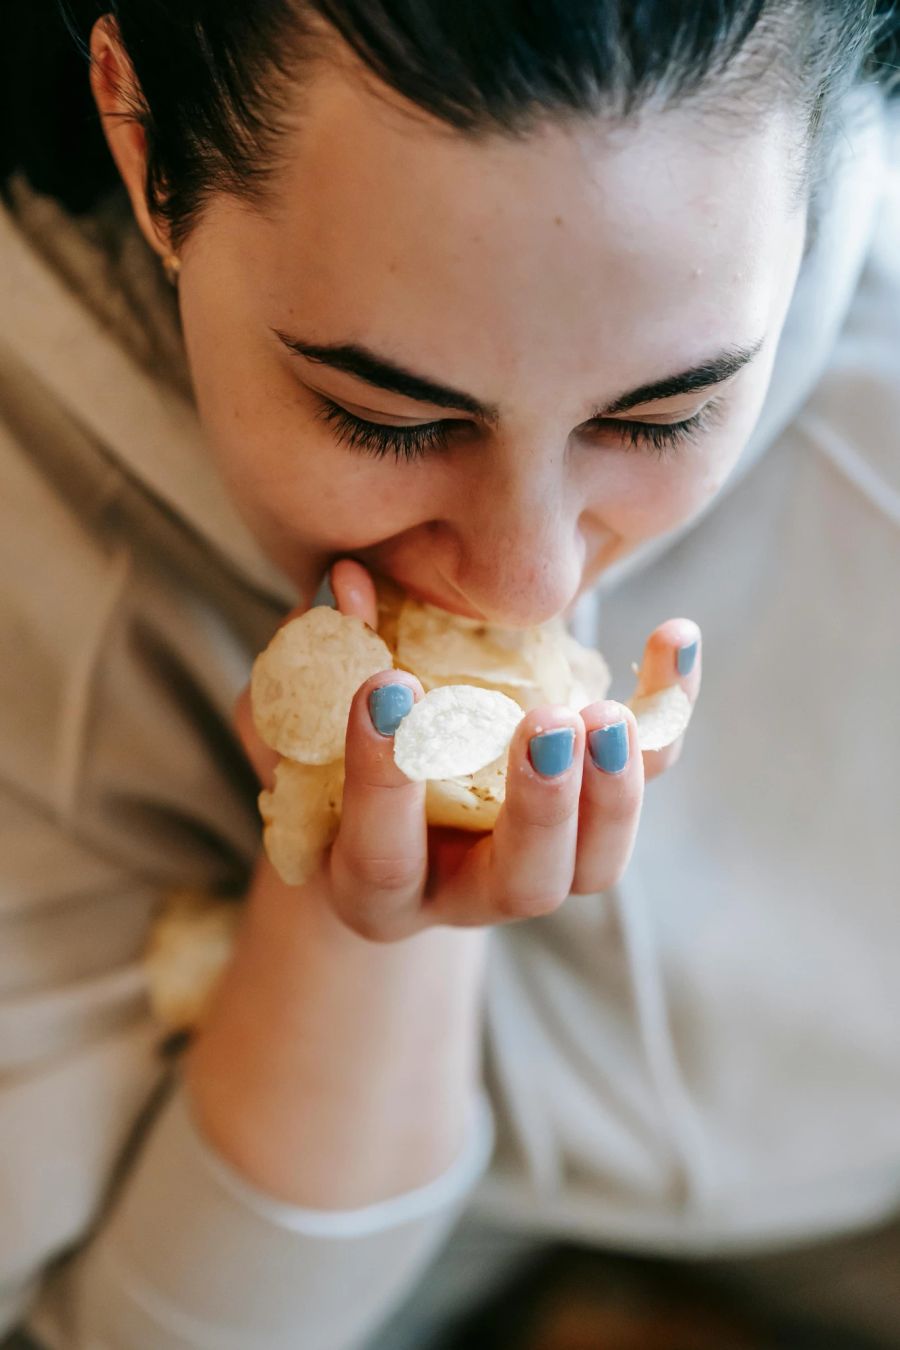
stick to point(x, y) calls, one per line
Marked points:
point(704, 1059)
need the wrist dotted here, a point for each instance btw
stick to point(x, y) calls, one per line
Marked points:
point(319, 1041)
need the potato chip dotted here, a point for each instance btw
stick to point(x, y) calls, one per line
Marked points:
point(550, 666)
point(479, 681)
point(455, 729)
point(590, 676)
point(527, 696)
point(433, 642)
point(303, 683)
point(301, 815)
point(189, 948)
point(469, 802)
point(661, 717)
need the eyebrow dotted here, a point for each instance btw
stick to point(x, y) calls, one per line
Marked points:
point(377, 370)
point(715, 371)
point(363, 364)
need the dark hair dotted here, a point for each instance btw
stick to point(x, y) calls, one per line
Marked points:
point(213, 76)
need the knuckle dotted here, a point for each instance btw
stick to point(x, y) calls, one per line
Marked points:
point(380, 776)
point(514, 903)
point(618, 807)
point(384, 874)
point(542, 811)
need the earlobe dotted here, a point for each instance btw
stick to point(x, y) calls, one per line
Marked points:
point(113, 87)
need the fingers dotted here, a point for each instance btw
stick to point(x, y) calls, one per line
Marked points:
point(380, 857)
point(672, 656)
point(525, 868)
point(612, 794)
point(354, 591)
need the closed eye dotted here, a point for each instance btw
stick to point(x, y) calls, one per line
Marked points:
point(377, 439)
point(415, 442)
point(663, 438)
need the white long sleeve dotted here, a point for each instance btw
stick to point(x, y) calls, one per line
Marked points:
point(193, 1258)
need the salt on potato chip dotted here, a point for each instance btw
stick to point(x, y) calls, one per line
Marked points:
point(529, 665)
point(470, 801)
point(551, 668)
point(455, 729)
point(433, 642)
point(190, 945)
point(590, 675)
point(303, 683)
point(560, 671)
point(661, 717)
point(527, 696)
point(301, 815)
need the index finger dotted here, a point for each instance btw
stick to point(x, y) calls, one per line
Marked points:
point(379, 860)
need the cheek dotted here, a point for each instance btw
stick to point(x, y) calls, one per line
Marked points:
point(649, 496)
point(294, 482)
point(642, 495)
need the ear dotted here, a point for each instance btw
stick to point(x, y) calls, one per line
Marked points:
point(114, 87)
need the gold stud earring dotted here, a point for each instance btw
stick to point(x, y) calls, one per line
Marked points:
point(172, 266)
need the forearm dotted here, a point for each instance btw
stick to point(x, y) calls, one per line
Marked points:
point(334, 1072)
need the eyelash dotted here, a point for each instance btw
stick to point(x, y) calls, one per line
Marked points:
point(412, 443)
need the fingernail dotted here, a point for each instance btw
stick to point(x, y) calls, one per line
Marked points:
point(388, 706)
point(551, 751)
point(608, 747)
point(685, 658)
point(325, 595)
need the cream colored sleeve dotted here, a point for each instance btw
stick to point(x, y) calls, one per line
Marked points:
point(128, 627)
point(120, 1225)
point(193, 1257)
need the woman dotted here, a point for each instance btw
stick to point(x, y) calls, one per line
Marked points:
point(491, 302)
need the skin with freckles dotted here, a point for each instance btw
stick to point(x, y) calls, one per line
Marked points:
point(544, 278)
point(487, 368)
point(459, 362)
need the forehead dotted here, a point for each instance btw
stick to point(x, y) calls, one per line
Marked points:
point(642, 242)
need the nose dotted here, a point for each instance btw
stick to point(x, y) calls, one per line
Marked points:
point(520, 552)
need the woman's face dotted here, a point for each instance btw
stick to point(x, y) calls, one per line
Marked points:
point(465, 363)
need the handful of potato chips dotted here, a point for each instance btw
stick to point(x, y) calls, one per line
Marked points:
point(479, 680)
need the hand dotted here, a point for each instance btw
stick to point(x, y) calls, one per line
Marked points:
point(568, 829)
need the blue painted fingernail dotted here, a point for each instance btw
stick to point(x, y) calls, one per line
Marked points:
point(325, 595)
point(388, 706)
point(551, 751)
point(685, 658)
point(609, 747)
